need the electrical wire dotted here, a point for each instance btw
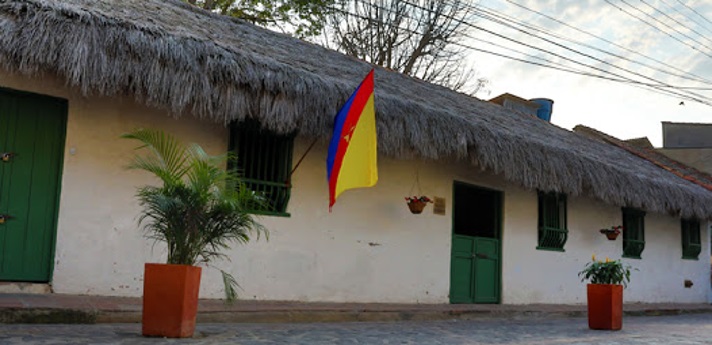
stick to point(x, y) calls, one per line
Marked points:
point(609, 41)
point(502, 16)
point(652, 87)
point(655, 27)
point(675, 20)
point(693, 10)
point(686, 16)
point(660, 84)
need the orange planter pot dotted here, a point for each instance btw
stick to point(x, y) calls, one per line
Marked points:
point(170, 300)
point(416, 207)
point(605, 306)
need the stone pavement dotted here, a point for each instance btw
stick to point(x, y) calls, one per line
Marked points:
point(669, 330)
point(58, 308)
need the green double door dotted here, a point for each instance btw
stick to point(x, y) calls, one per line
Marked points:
point(32, 132)
point(475, 261)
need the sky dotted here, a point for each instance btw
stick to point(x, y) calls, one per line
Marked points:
point(619, 109)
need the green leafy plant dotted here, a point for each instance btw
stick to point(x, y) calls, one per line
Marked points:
point(200, 208)
point(606, 272)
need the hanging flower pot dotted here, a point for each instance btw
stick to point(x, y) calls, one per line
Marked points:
point(613, 232)
point(417, 204)
point(611, 235)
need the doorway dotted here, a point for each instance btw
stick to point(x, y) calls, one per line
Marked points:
point(475, 270)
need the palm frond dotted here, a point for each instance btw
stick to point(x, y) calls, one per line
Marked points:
point(230, 286)
point(167, 157)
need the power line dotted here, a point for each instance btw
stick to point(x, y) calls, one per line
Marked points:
point(652, 87)
point(608, 41)
point(661, 84)
point(693, 10)
point(655, 27)
point(675, 20)
point(686, 16)
point(501, 16)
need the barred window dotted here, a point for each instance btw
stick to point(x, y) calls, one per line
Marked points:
point(633, 233)
point(264, 160)
point(691, 242)
point(552, 221)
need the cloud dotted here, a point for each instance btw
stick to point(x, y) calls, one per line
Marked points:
point(620, 109)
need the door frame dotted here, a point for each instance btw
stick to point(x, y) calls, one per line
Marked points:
point(499, 218)
point(64, 114)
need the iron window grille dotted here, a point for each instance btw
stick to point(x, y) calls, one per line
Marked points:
point(691, 241)
point(264, 161)
point(552, 221)
point(633, 233)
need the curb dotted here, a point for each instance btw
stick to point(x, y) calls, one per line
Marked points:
point(48, 316)
point(72, 316)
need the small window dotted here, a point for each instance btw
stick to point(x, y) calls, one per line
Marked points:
point(264, 160)
point(691, 242)
point(633, 233)
point(552, 221)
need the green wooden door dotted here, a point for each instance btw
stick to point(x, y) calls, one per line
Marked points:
point(32, 131)
point(475, 263)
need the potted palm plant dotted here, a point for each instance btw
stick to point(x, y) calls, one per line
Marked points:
point(198, 211)
point(605, 292)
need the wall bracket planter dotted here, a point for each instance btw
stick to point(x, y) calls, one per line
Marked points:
point(605, 306)
point(170, 300)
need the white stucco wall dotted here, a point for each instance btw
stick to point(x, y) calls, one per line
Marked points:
point(369, 249)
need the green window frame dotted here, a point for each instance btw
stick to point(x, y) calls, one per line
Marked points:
point(691, 240)
point(633, 233)
point(553, 231)
point(264, 161)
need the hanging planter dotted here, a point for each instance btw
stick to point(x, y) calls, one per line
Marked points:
point(416, 204)
point(613, 232)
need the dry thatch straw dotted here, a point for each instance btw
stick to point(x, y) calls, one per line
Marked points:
point(166, 54)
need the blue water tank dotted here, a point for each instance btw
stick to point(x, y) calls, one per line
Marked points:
point(546, 107)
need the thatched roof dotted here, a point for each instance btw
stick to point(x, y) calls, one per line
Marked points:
point(642, 148)
point(166, 54)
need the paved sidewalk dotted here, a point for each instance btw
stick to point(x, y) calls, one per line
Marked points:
point(664, 330)
point(58, 308)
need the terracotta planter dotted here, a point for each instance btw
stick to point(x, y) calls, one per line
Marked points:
point(416, 207)
point(170, 300)
point(610, 234)
point(605, 306)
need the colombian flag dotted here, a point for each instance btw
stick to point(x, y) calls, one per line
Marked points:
point(351, 162)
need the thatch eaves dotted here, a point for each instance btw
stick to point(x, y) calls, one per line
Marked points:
point(169, 55)
point(643, 149)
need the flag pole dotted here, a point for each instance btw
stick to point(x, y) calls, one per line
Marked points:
point(289, 178)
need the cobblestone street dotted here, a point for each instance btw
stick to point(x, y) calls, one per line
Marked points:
point(685, 329)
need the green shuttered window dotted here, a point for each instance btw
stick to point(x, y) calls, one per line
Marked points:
point(633, 233)
point(691, 242)
point(264, 160)
point(552, 221)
